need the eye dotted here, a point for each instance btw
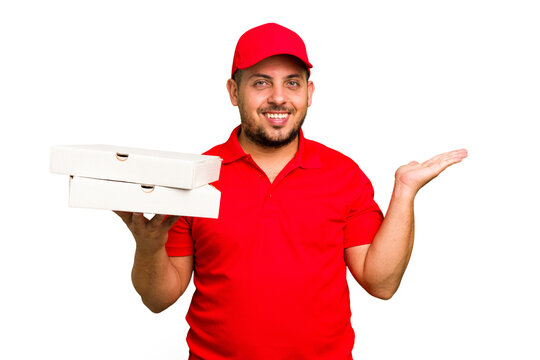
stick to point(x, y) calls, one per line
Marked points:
point(293, 83)
point(260, 83)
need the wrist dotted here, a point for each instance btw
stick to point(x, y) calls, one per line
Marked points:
point(149, 255)
point(404, 192)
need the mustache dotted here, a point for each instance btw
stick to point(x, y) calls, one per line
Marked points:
point(276, 108)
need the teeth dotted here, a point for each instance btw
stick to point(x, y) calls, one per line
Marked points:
point(277, 116)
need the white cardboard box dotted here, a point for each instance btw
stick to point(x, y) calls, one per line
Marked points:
point(163, 168)
point(116, 195)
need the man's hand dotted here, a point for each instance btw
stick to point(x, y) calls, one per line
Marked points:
point(159, 279)
point(411, 177)
point(150, 235)
point(379, 267)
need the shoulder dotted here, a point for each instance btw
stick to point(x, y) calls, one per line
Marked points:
point(215, 150)
point(328, 156)
point(230, 150)
point(336, 166)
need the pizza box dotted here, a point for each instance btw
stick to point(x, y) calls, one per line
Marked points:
point(152, 199)
point(153, 167)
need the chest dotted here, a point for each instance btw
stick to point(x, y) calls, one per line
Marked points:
point(294, 219)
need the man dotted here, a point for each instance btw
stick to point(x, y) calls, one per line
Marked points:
point(270, 273)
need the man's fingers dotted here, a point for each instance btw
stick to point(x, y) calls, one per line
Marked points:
point(139, 220)
point(170, 221)
point(444, 164)
point(446, 159)
point(162, 222)
point(125, 216)
point(415, 175)
point(453, 157)
point(156, 221)
point(433, 160)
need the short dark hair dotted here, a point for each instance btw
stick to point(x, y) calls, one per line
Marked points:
point(237, 77)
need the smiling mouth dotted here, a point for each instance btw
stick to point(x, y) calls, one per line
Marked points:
point(277, 118)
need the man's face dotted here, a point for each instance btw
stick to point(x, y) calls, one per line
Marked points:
point(272, 96)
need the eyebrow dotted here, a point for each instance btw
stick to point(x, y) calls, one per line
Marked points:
point(291, 76)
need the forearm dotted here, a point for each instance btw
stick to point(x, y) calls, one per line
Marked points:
point(391, 249)
point(380, 269)
point(156, 280)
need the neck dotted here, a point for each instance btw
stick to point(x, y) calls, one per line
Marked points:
point(270, 160)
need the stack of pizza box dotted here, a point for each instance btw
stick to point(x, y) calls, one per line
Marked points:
point(139, 180)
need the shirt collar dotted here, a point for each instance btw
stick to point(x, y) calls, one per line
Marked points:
point(306, 157)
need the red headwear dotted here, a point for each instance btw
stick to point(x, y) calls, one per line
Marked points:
point(267, 40)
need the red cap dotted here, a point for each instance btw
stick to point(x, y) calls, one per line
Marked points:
point(267, 40)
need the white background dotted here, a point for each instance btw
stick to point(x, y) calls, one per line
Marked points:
point(395, 81)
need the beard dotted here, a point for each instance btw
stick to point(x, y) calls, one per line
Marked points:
point(260, 136)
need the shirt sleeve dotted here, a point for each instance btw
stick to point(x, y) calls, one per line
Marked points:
point(364, 216)
point(180, 242)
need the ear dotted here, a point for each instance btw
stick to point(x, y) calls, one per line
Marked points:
point(232, 88)
point(311, 89)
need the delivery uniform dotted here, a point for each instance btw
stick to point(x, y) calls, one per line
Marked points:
point(269, 273)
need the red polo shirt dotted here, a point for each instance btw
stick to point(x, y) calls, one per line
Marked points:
point(269, 273)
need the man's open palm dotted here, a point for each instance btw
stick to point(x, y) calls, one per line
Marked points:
point(414, 175)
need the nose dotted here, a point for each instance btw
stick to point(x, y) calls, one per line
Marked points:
point(277, 96)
